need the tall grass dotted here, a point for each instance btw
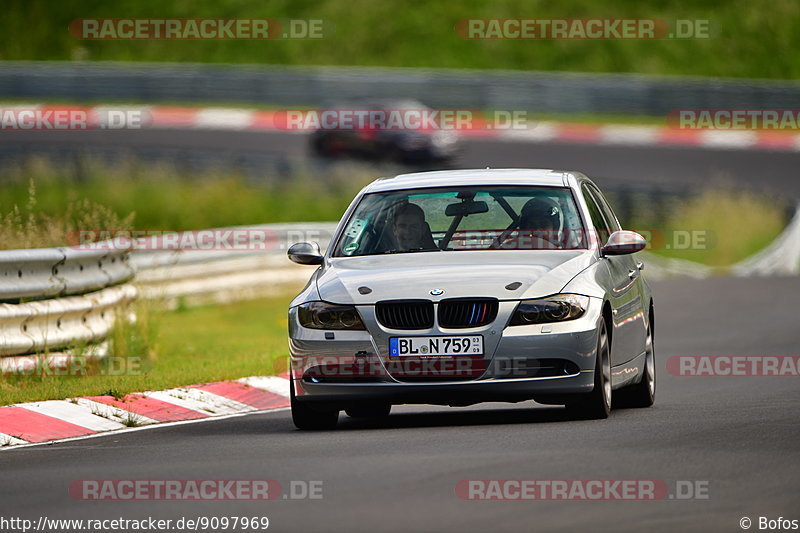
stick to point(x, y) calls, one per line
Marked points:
point(29, 224)
point(136, 330)
point(734, 224)
point(41, 203)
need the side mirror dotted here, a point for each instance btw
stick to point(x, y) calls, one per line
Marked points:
point(305, 253)
point(623, 243)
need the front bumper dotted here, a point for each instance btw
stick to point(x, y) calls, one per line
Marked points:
point(445, 393)
point(512, 368)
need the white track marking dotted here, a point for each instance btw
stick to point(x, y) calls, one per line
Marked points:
point(202, 401)
point(728, 138)
point(629, 134)
point(8, 440)
point(142, 428)
point(115, 413)
point(223, 119)
point(105, 418)
point(273, 384)
point(79, 415)
point(535, 132)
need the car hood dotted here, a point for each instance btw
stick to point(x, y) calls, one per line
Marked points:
point(458, 274)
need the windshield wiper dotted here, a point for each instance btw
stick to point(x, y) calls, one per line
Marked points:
point(411, 251)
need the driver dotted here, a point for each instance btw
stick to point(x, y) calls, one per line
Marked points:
point(540, 218)
point(410, 230)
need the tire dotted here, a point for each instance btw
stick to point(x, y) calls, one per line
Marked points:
point(642, 394)
point(597, 404)
point(374, 411)
point(311, 417)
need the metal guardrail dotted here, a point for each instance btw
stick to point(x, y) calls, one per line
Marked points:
point(782, 257)
point(551, 92)
point(46, 325)
point(216, 276)
point(55, 299)
point(50, 272)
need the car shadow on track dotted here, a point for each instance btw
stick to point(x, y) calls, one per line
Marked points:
point(479, 417)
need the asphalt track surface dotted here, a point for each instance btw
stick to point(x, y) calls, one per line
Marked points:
point(740, 435)
point(663, 166)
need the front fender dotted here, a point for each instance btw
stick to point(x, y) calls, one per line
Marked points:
point(591, 281)
point(309, 292)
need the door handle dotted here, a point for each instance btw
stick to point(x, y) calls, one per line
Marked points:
point(633, 273)
point(639, 265)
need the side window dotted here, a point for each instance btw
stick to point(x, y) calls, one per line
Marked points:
point(596, 214)
point(608, 213)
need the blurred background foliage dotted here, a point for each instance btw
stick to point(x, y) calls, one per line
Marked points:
point(749, 39)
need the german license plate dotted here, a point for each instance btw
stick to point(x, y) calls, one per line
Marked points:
point(435, 346)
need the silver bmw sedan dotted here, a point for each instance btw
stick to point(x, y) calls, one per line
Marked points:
point(465, 286)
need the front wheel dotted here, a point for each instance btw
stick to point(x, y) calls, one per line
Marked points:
point(597, 404)
point(311, 417)
point(642, 394)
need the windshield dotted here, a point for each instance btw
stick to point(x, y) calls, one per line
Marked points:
point(463, 218)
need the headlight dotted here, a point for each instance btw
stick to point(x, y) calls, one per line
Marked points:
point(551, 309)
point(322, 315)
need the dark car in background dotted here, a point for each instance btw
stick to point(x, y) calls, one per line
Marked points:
point(343, 138)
